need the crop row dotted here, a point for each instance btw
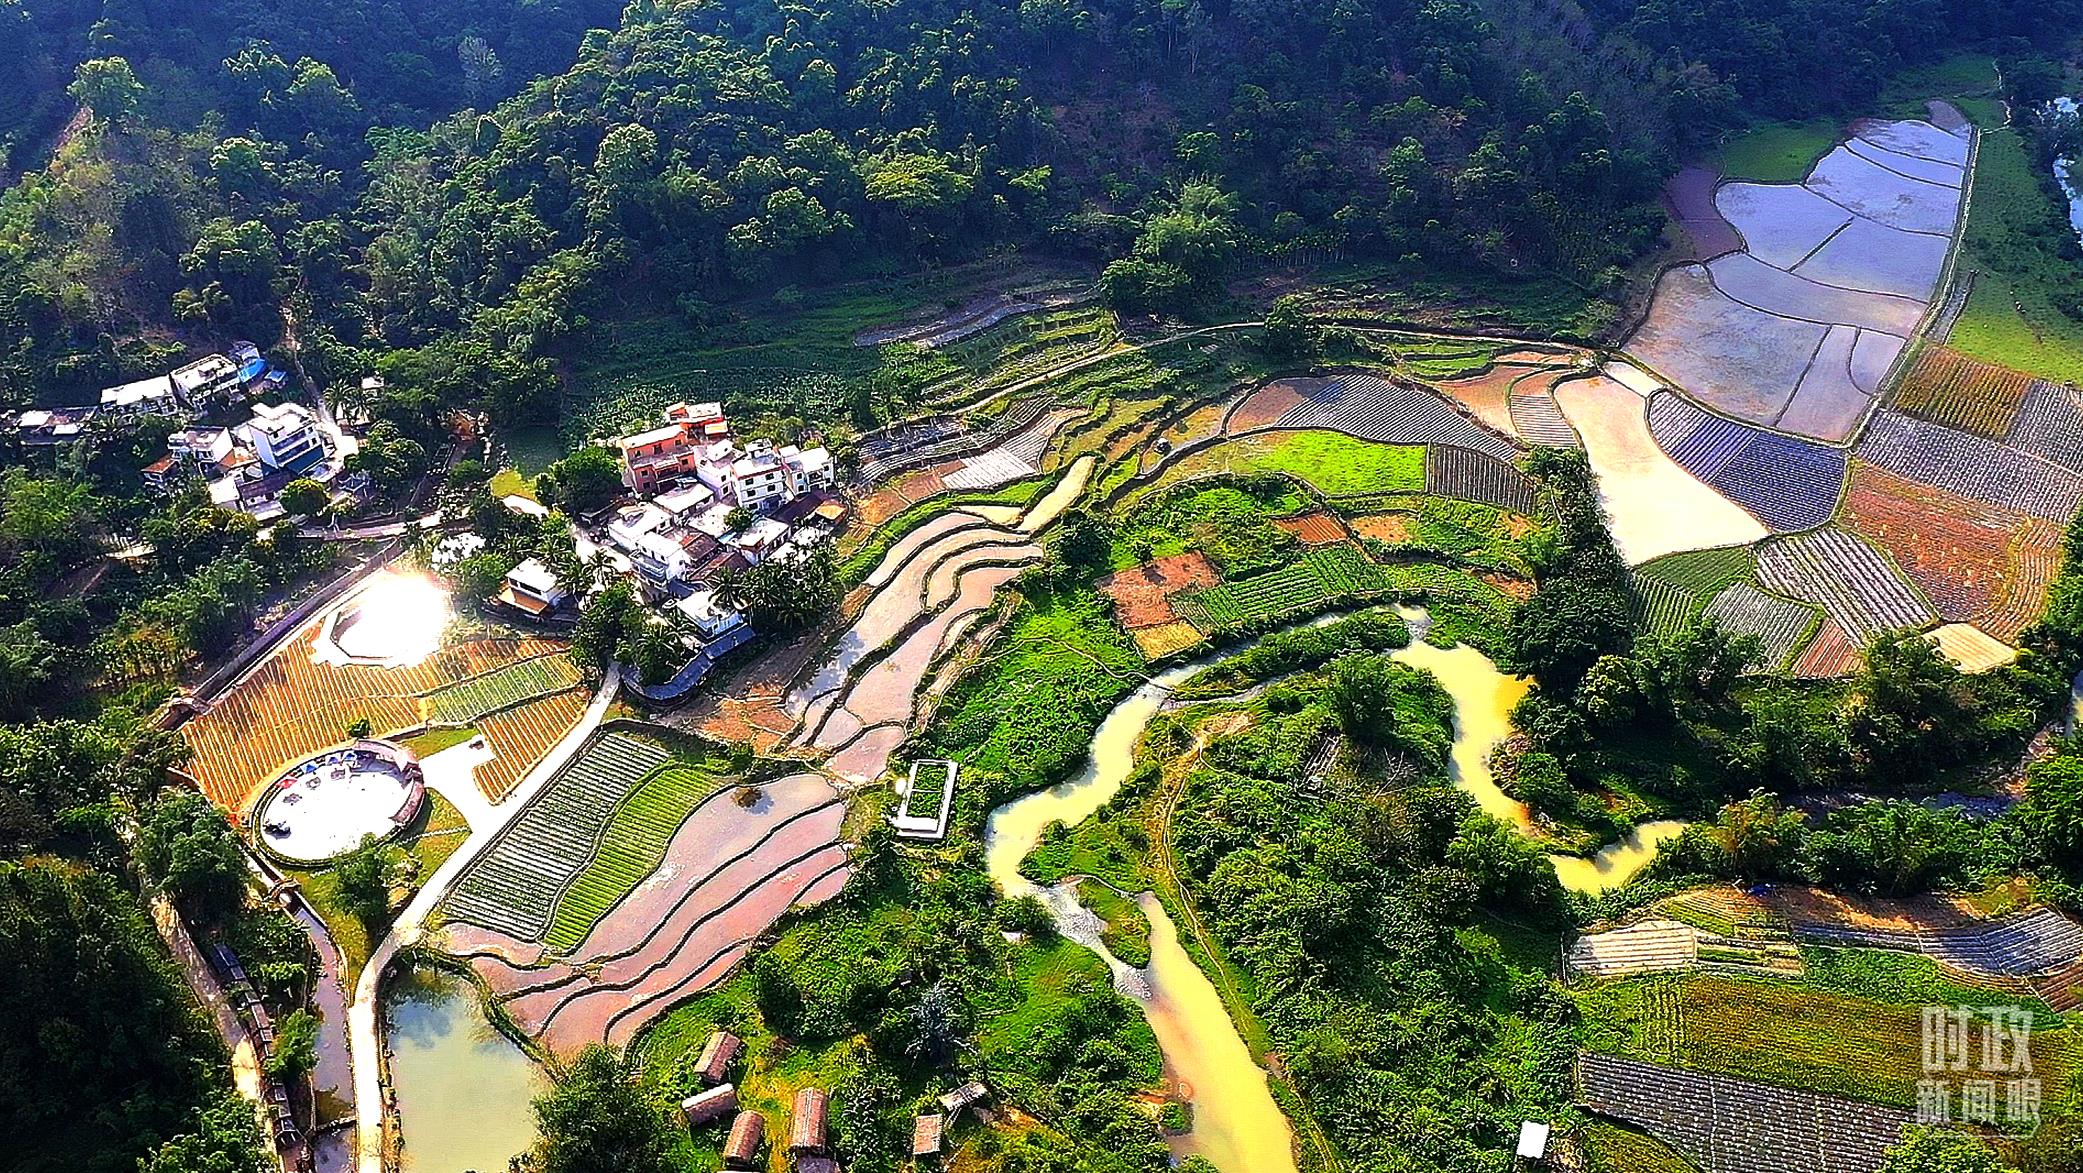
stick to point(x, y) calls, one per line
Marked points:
point(1535, 414)
point(1779, 624)
point(630, 849)
point(514, 886)
point(470, 700)
point(922, 443)
point(1704, 571)
point(520, 736)
point(1948, 387)
point(1473, 476)
point(1321, 574)
point(1376, 409)
point(1970, 465)
point(1855, 583)
point(2050, 424)
point(1786, 483)
point(1662, 606)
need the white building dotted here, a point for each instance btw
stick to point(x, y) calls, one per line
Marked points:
point(284, 436)
point(709, 616)
point(211, 378)
point(532, 587)
point(153, 396)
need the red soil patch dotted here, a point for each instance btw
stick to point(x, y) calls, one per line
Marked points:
point(1517, 589)
point(1488, 394)
point(918, 484)
point(1393, 528)
point(1142, 595)
point(1264, 407)
point(1689, 197)
point(1831, 653)
point(880, 506)
point(1958, 550)
point(1313, 529)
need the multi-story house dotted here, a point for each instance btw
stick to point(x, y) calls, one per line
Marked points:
point(285, 436)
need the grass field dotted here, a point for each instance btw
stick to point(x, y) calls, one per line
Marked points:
point(1777, 152)
point(1339, 465)
point(2014, 230)
point(1127, 931)
point(631, 847)
point(1787, 1033)
point(1614, 1148)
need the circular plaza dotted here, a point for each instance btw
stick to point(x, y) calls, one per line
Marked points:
point(324, 806)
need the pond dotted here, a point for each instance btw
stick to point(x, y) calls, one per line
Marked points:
point(464, 1091)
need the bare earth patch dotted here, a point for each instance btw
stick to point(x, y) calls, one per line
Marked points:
point(1165, 638)
point(1313, 529)
point(1972, 648)
point(1393, 528)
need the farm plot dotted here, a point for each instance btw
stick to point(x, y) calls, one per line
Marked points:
point(735, 869)
point(1671, 590)
point(291, 706)
point(471, 700)
point(1473, 476)
point(1786, 483)
point(1947, 387)
point(1372, 408)
point(2028, 943)
point(1689, 197)
point(631, 847)
point(1779, 624)
point(1973, 649)
point(1728, 1125)
point(1315, 528)
point(1970, 465)
point(513, 887)
point(1964, 554)
point(1737, 359)
point(1851, 580)
point(1263, 407)
point(1489, 394)
point(1656, 506)
point(1536, 416)
point(519, 737)
point(940, 438)
point(1829, 655)
point(1320, 576)
point(1016, 457)
point(2050, 424)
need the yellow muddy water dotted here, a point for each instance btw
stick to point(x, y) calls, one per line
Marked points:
point(1483, 701)
point(464, 1090)
point(1236, 1124)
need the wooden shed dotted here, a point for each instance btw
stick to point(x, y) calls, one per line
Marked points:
point(709, 1104)
point(928, 1135)
point(968, 1095)
point(717, 1055)
point(741, 1148)
point(806, 1130)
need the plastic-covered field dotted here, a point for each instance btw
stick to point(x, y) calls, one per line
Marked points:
point(1971, 466)
point(1855, 583)
point(1472, 476)
point(1656, 507)
point(1778, 623)
point(1535, 416)
point(1786, 483)
point(2050, 424)
point(1373, 408)
point(1488, 394)
point(1798, 329)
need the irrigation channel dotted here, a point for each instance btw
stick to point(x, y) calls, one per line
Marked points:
point(464, 1090)
point(1236, 1124)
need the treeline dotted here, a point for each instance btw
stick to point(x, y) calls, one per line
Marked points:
point(1614, 719)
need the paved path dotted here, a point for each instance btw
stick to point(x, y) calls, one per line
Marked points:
point(486, 822)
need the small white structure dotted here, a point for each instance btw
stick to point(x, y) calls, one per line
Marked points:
point(206, 380)
point(454, 548)
point(524, 506)
point(1533, 1141)
point(909, 823)
point(709, 615)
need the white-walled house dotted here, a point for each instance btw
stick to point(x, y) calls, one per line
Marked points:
point(285, 436)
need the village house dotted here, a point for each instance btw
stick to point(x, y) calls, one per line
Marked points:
point(741, 1148)
point(142, 397)
point(285, 436)
point(213, 378)
point(695, 444)
point(807, 1130)
point(40, 428)
point(717, 1055)
point(709, 1104)
point(532, 589)
point(928, 1136)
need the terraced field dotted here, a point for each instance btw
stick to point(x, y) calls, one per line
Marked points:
point(1856, 584)
point(631, 847)
point(1975, 561)
point(289, 707)
point(1320, 575)
point(1780, 624)
point(1673, 589)
point(514, 886)
point(2050, 424)
point(521, 736)
point(1475, 476)
point(1373, 408)
point(471, 700)
point(736, 869)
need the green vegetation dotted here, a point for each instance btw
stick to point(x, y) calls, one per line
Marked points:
point(1614, 1148)
point(428, 842)
point(1777, 152)
point(1229, 520)
point(433, 741)
point(1335, 464)
point(1671, 591)
point(1127, 931)
point(1785, 1033)
point(2022, 251)
point(1299, 649)
point(1321, 577)
point(1466, 532)
point(632, 844)
point(472, 700)
point(1906, 979)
